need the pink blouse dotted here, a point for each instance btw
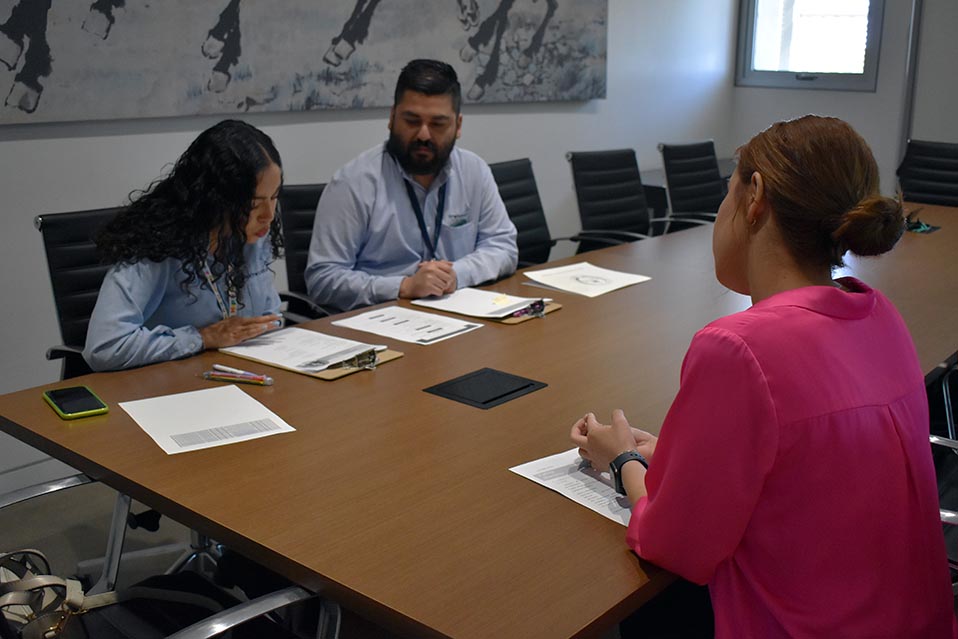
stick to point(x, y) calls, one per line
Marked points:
point(794, 475)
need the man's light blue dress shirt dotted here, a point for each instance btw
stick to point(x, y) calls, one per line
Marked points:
point(143, 316)
point(366, 237)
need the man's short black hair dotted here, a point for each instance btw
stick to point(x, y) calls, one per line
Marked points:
point(429, 77)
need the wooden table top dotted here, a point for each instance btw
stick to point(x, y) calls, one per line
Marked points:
point(399, 504)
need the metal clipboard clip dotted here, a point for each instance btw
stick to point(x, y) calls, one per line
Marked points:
point(536, 309)
point(366, 360)
point(363, 360)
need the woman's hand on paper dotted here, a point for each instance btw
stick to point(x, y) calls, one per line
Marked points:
point(234, 330)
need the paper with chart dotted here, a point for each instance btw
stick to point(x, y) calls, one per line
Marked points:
point(476, 303)
point(585, 279)
point(408, 325)
point(300, 350)
point(204, 418)
point(571, 476)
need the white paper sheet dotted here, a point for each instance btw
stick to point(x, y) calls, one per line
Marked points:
point(408, 325)
point(204, 418)
point(476, 303)
point(585, 279)
point(300, 349)
point(570, 476)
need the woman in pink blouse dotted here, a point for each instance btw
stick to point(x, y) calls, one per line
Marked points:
point(793, 473)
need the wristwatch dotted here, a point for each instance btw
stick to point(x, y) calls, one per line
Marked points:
point(615, 468)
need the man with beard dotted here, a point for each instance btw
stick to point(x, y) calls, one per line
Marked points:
point(414, 217)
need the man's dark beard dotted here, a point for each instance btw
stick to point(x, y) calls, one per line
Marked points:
point(414, 166)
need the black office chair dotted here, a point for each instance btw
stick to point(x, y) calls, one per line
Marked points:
point(75, 275)
point(297, 206)
point(694, 184)
point(517, 187)
point(611, 198)
point(929, 173)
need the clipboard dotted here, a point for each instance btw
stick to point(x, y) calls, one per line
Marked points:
point(490, 305)
point(335, 371)
point(311, 353)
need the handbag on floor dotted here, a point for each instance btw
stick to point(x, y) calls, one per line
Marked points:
point(37, 605)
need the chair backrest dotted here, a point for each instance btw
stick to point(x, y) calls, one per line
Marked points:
point(609, 192)
point(76, 273)
point(517, 187)
point(693, 180)
point(929, 173)
point(297, 205)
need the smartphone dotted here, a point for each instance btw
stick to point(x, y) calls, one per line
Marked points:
point(75, 402)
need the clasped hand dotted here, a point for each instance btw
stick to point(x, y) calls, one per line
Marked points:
point(234, 330)
point(433, 278)
point(601, 443)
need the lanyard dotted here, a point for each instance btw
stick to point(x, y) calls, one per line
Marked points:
point(229, 310)
point(430, 245)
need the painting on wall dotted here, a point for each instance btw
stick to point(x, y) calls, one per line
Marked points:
point(69, 60)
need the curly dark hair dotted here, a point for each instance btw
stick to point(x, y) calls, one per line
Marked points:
point(210, 188)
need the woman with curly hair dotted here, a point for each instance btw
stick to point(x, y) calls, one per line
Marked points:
point(191, 255)
point(793, 473)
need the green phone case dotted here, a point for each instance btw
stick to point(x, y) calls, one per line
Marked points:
point(86, 413)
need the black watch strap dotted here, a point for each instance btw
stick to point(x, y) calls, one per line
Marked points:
point(615, 468)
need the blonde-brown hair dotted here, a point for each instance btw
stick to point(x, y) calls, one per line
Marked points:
point(821, 180)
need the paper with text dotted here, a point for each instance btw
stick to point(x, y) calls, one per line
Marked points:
point(204, 418)
point(585, 279)
point(408, 325)
point(571, 476)
point(476, 303)
point(300, 349)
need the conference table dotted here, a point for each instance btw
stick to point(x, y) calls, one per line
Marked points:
point(399, 504)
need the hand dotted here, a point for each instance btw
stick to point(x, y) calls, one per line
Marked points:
point(431, 279)
point(234, 330)
point(600, 444)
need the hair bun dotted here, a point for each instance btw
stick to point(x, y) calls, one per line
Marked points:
point(871, 227)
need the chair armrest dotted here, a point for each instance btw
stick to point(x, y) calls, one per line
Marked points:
point(303, 302)
point(295, 318)
point(943, 441)
point(625, 236)
point(43, 488)
point(948, 516)
point(232, 617)
point(62, 351)
point(599, 239)
point(700, 221)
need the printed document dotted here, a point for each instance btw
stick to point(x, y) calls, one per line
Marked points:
point(585, 279)
point(408, 325)
point(472, 301)
point(300, 350)
point(204, 418)
point(573, 477)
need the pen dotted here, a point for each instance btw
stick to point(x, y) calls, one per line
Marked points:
point(220, 376)
point(235, 371)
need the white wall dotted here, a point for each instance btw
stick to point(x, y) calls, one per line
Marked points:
point(876, 116)
point(669, 79)
point(936, 93)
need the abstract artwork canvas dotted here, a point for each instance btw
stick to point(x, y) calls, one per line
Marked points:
point(68, 60)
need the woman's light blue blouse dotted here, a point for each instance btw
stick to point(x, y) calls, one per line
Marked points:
point(143, 316)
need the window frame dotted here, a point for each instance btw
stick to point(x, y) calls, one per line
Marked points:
point(746, 76)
